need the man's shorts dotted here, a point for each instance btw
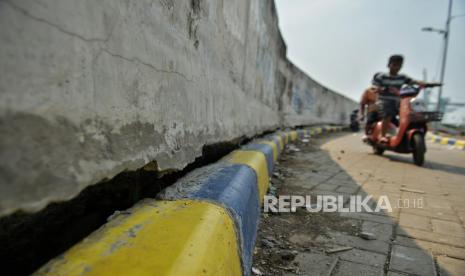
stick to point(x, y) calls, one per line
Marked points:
point(388, 106)
point(372, 117)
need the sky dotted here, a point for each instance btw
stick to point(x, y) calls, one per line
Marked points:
point(342, 43)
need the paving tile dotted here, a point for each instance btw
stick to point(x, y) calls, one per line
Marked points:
point(343, 176)
point(363, 257)
point(327, 187)
point(394, 215)
point(391, 188)
point(318, 192)
point(459, 208)
point(349, 184)
point(393, 273)
point(345, 268)
point(302, 184)
point(436, 248)
point(313, 264)
point(448, 228)
point(416, 243)
point(372, 188)
point(392, 197)
point(461, 216)
point(314, 178)
point(414, 221)
point(437, 204)
point(432, 213)
point(411, 260)
point(430, 236)
point(369, 217)
point(347, 190)
point(339, 182)
point(337, 238)
point(458, 204)
point(450, 267)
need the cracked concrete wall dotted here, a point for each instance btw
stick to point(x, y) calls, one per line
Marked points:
point(92, 88)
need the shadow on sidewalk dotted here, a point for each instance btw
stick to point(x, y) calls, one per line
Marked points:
point(428, 164)
point(304, 243)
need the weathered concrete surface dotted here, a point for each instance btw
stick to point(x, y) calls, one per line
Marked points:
point(91, 88)
point(304, 101)
point(423, 235)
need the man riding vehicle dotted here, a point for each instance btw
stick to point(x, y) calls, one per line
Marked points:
point(388, 85)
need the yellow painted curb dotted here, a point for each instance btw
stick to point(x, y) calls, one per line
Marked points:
point(293, 135)
point(280, 141)
point(257, 161)
point(182, 237)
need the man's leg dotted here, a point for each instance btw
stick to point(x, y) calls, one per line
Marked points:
point(385, 125)
point(372, 118)
point(367, 124)
point(388, 110)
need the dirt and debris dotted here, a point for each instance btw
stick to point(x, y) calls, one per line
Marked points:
point(256, 271)
point(291, 148)
point(379, 242)
point(333, 266)
point(339, 249)
point(282, 237)
point(367, 236)
point(412, 191)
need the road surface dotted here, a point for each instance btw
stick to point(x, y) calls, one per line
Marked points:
point(423, 235)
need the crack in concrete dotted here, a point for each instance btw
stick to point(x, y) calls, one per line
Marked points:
point(58, 27)
point(104, 40)
point(138, 60)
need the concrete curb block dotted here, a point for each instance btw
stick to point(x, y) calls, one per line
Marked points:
point(447, 141)
point(206, 223)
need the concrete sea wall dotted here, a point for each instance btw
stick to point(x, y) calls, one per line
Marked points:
point(92, 88)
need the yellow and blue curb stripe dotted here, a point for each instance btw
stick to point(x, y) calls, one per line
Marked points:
point(204, 224)
point(447, 141)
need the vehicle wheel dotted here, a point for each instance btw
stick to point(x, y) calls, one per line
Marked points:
point(378, 150)
point(418, 149)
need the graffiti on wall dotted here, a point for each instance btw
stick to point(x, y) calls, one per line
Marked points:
point(302, 100)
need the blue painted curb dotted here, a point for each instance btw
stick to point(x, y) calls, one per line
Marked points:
point(209, 219)
point(235, 187)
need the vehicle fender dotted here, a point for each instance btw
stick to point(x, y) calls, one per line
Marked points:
point(413, 131)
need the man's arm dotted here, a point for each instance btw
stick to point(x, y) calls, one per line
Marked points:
point(422, 83)
point(377, 82)
point(427, 84)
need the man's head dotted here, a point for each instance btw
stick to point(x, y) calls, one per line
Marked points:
point(395, 63)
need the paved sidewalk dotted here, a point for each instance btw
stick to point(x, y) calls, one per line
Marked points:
point(408, 241)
